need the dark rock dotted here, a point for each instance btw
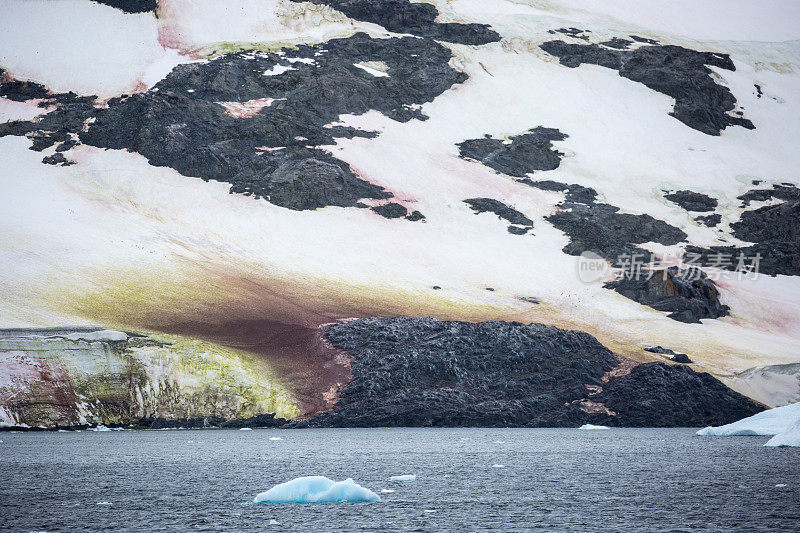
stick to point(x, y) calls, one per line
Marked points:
point(211, 422)
point(57, 159)
point(617, 43)
point(391, 210)
point(427, 372)
point(679, 72)
point(786, 191)
point(489, 205)
point(67, 145)
point(518, 230)
point(775, 230)
point(131, 6)
point(524, 153)
point(415, 216)
point(20, 91)
point(663, 395)
point(692, 201)
point(574, 193)
point(677, 357)
point(759, 94)
point(709, 220)
point(270, 151)
point(436, 288)
point(403, 16)
point(688, 295)
point(645, 40)
point(601, 229)
point(575, 33)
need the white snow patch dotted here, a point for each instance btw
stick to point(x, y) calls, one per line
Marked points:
point(247, 109)
point(592, 427)
point(277, 69)
point(107, 335)
point(769, 422)
point(379, 69)
point(404, 478)
point(317, 489)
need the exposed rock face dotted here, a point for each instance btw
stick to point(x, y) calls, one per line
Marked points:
point(679, 72)
point(522, 224)
point(692, 201)
point(602, 229)
point(662, 395)
point(81, 376)
point(686, 295)
point(519, 156)
point(677, 357)
point(416, 18)
point(775, 230)
point(255, 120)
point(427, 372)
point(709, 220)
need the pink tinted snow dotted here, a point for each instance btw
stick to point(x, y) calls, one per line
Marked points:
point(246, 109)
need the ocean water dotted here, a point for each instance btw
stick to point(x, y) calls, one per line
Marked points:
point(551, 480)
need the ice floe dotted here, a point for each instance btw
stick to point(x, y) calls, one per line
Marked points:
point(317, 489)
point(404, 477)
point(769, 422)
point(100, 427)
point(276, 438)
point(787, 438)
point(498, 466)
point(592, 427)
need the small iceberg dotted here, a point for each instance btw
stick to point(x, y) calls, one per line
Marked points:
point(592, 427)
point(245, 429)
point(769, 422)
point(317, 489)
point(276, 438)
point(404, 477)
point(498, 466)
point(100, 427)
point(787, 438)
point(387, 491)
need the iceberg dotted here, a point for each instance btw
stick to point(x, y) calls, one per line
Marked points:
point(592, 427)
point(317, 489)
point(769, 422)
point(100, 427)
point(276, 438)
point(404, 477)
point(787, 438)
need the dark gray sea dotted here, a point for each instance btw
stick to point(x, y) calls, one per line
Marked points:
point(551, 480)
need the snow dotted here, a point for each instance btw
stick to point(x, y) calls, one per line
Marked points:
point(791, 437)
point(277, 69)
point(106, 335)
point(592, 427)
point(317, 489)
point(769, 422)
point(403, 478)
point(379, 69)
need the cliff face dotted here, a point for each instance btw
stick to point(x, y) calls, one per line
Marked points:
point(90, 376)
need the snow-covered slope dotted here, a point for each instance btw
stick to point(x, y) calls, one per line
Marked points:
point(132, 225)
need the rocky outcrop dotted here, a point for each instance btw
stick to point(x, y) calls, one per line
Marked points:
point(520, 223)
point(416, 18)
point(687, 295)
point(684, 74)
point(428, 372)
point(692, 201)
point(257, 120)
point(520, 155)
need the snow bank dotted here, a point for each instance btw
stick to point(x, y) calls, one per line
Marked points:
point(317, 489)
point(769, 422)
point(404, 477)
point(787, 438)
point(593, 427)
